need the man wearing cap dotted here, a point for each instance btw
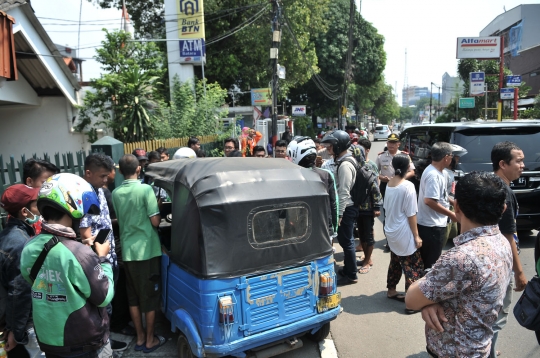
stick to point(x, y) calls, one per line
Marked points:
point(386, 170)
point(384, 162)
point(143, 159)
point(20, 201)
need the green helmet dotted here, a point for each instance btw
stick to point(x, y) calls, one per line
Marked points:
point(70, 194)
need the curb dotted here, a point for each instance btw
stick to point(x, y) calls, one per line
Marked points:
point(328, 348)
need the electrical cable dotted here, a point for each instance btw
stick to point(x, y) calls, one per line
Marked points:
point(327, 92)
point(239, 27)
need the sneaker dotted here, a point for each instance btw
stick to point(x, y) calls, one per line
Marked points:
point(386, 248)
point(118, 346)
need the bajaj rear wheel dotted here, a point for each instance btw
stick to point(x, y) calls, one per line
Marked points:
point(321, 334)
point(184, 350)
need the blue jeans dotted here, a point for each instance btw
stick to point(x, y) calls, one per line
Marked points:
point(346, 241)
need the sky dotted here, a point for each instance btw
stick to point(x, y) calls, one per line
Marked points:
point(428, 29)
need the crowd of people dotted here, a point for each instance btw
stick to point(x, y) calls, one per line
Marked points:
point(106, 257)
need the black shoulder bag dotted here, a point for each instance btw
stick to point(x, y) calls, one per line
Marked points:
point(41, 258)
point(527, 309)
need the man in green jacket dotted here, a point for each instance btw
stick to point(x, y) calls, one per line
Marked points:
point(73, 284)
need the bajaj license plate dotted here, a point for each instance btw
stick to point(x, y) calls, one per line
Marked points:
point(329, 302)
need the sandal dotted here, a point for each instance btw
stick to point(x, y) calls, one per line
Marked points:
point(398, 297)
point(140, 347)
point(162, 341)
point(364, 269)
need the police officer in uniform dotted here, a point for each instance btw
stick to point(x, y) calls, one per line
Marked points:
point(384, 162)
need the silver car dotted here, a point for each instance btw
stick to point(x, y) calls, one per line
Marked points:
point(381, 132)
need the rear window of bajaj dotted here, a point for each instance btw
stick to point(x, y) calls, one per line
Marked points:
point(480, 141)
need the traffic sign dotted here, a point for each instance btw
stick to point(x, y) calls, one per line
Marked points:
point(507, 93)
point(513, 81)
point(467, 102)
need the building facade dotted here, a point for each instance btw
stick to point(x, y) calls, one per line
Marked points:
point(451, 89)
point(412, 94)
point(520, 28)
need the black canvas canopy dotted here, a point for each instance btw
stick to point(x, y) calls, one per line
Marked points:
point(243, 216)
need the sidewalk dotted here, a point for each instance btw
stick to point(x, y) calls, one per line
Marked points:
point(163, 328)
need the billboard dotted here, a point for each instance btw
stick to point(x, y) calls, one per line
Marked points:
point(261, 97)
point(190, 19)
point(476, 83)
point(299, 110)
point(192, 51)
point(478, 47)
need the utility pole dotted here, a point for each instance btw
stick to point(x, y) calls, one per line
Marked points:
point(276, 40)
point(430, 101)
point(347, 64)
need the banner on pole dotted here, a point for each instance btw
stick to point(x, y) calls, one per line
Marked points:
point(190, 19)
point(192, 51)
point(476, 83)
point(261, 97)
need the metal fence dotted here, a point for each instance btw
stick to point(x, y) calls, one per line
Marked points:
point(11, 172)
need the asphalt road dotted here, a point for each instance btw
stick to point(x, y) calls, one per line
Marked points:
point(372, 325)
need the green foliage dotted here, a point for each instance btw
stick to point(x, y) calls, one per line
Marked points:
point(491, 69)
point(126, 95)
point(193, 114)
point(532, 113)
point(368, 62)
point(405, 114)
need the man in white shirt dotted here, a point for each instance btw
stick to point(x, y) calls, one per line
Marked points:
point(433, 205)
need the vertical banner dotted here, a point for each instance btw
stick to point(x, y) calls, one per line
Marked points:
point(476, 83)
point(190, 19)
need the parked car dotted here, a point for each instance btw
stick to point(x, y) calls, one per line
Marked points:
point(247, 263)
point(479, 139)
point(381, 132)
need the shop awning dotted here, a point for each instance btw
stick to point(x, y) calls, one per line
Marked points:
point(8, 67)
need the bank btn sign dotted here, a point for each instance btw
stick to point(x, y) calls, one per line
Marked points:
point(190, 19)
point(299, 110)
point(478, 47)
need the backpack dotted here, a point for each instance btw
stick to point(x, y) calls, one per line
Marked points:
point(358, 152)
point(362, 185)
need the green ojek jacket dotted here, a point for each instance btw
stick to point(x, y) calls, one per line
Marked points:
point(69, 296)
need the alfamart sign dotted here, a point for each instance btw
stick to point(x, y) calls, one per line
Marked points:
point(478, 47)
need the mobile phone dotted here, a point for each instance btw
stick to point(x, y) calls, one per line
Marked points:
point(102, 235)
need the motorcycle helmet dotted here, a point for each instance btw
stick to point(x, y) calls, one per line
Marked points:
point(340, 141)
point(184, 152)
point(70, 194)
point(299, 148)
point(458, 151)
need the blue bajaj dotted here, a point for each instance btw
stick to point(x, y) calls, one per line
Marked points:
point(247, 267)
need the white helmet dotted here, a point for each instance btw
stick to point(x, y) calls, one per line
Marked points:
point(184, 152)
point(458, 151)
point(299, 148)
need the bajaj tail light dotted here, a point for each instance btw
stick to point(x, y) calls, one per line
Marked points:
point(226, 310)
point(326, 284)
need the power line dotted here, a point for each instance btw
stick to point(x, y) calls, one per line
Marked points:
point(319, 82)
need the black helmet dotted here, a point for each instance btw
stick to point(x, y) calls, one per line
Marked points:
point(341, 141)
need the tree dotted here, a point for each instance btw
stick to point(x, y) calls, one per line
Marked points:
point(193, 114)
point(491, 69)
point(127, 93)
point(386, 108)
point(368, 61)
point(405, 114)
point(242, 58)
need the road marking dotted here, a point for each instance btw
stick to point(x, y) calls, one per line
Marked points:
point(328, 349)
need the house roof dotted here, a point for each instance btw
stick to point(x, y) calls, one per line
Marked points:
point(6, 5)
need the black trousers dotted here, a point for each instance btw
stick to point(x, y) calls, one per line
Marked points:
point(432, 243)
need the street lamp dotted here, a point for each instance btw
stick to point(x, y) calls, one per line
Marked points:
point(431, 99)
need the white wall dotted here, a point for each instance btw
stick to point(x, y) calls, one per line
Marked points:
point(45, 128)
